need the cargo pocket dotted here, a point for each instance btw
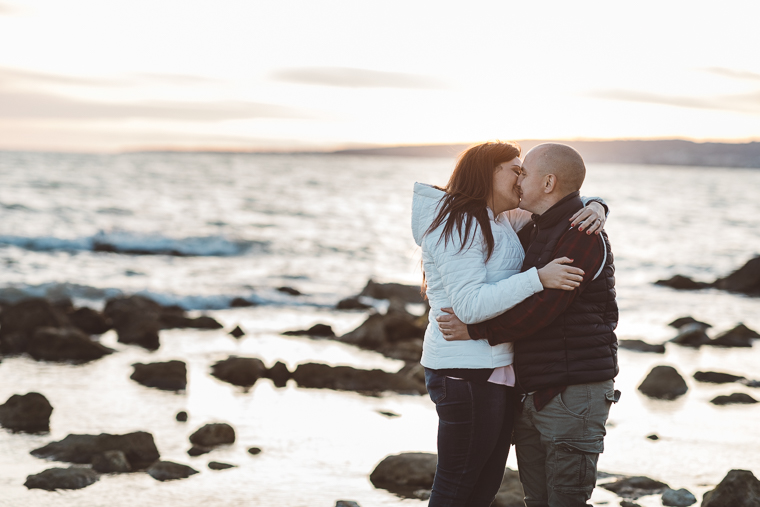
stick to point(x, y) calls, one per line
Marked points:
point(575, 465)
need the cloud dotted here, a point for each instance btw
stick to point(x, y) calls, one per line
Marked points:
point(39, 106)
point(736, 74)
point(746, 103)
point(348, 77)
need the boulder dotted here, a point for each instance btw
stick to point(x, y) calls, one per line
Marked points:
point(714, 377)
point(404, 473)
point(396, 334)
point(641, 346)
point(734, 399)
point(320, 330)
point(237, 332)
point(239, 371)
point(241, 303)
point(170, 471)
point(653, 436)
point(745, 279)
point(279, 374)
point(740, 336)
point(682, 321)
point(663, 382)
point(691, 335)
point(29, 413)
point(406, 293)
point(181, 416)
point(216, 465)
point(352, 303)
point(635, 487)
point(138, 447)
point(739, 488)
point(62, 478)
point(111, 462)
point(89, 321)
point(136, 319)
point(626, 503)
point(681, 282)
point(289, 290)
point(346, 503)
point(346, 378)
point(64, 345)
point(169, 376)
point(18, 323)
point(678, 498)
point(510, 492)
point(212, 435)
point(180, 321)
point(254, 451)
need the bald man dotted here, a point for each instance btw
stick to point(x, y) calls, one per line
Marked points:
point(565, 344)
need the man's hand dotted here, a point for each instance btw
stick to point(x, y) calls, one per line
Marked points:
point(589, 219)
point(452, 328)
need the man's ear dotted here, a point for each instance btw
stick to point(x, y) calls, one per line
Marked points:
point(550, 183)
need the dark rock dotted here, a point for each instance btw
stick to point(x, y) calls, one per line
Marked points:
point(681, 282)
point(169, 376)
point(626, 503)
point(136, 320)
point(396, 334)
point(254, 451)
point(691, 335)
point(351, 303)
point(641, 346)
point(62, 478)
point(89, 320)
point(320, 330)
point(735, 398)
point(241, 303)
point(216, 465)
point(138, 447)
point(678, 498)
point(237, 332)
point(405, 473)
point(663, 382)
point(407, 293)
point(510, 492)
point(197, 450)
point(634, 487)
point(182, 416)
point(173, 321)
point(239, 371)
point(19, 322)
point(653, 437)
point(682, 321)
point(111, 462)
point(169, 471)
point(388, 414)
point(212, 435)
point(64, 344)
point(346, 503)
point(739, 488)
point(345, 378)
point(29, 413)
point(745, 279)
point(740, 336)
point(289, 290)
point(279, 374)
point(715, 377)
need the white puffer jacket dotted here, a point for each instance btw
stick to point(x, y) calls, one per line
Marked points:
point(462, 280)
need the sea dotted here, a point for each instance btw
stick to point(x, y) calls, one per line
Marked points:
point(200, 229)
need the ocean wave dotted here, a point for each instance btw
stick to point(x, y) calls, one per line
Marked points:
point(131, 243)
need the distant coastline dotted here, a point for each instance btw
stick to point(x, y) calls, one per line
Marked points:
point(659, 152)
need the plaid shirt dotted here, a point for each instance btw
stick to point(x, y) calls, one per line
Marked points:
point(539, 310)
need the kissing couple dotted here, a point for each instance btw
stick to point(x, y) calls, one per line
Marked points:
point(520, 346)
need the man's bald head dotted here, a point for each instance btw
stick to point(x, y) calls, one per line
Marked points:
point(560, 160)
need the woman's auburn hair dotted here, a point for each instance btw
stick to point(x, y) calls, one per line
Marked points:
point(468, 192)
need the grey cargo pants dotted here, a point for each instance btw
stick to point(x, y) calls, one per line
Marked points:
point(558, 447)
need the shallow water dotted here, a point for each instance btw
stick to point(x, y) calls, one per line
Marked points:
point(324, 225)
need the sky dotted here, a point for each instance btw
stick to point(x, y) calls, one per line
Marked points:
point(89, 75)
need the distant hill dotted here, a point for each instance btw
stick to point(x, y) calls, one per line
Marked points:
point(666, 152)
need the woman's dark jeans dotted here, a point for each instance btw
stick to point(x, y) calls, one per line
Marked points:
point(475, 422)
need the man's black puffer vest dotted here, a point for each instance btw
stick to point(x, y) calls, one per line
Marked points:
point(580, 345)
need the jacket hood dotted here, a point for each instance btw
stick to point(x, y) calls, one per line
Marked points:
point(424, 209)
